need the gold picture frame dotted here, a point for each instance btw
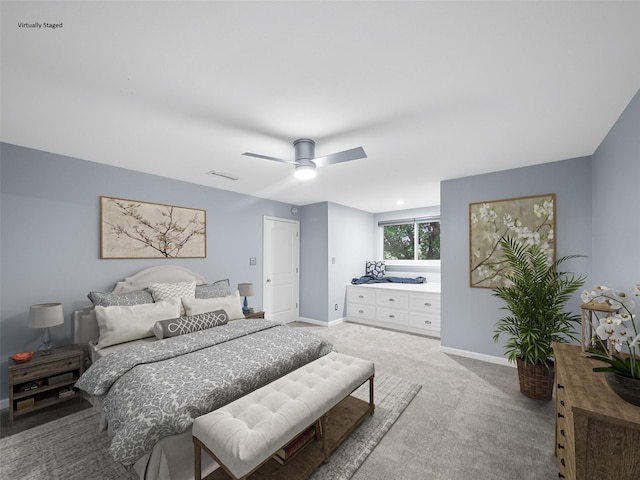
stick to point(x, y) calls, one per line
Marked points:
point(135, 229)
point(529, 219)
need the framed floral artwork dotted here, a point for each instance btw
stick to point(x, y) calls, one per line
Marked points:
point(134, 229)
point(531, 220)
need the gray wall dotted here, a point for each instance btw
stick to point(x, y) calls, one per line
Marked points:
point(469, 314)
point(597, 215)
point(615, 186)
point(351, 244)
point(314, 248)
point(50, 237)
point(330, 231)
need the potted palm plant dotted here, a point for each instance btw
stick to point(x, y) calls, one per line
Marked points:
point(535, 295)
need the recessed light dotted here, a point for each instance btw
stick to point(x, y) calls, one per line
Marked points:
point(400, 202)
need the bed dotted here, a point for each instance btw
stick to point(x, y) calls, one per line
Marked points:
point(150, 390)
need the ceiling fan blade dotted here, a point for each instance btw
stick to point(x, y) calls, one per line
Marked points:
point(249, 154)
point(345, 156)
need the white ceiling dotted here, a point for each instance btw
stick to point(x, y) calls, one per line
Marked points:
point(431, 90)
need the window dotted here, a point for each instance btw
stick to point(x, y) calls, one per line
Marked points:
point(411, 239)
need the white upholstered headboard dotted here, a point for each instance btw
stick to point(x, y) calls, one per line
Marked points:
point(85, 323)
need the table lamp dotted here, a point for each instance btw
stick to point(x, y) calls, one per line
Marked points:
point(246, 290)
point(45, 315)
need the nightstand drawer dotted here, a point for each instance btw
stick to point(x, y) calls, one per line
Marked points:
point(32, 372)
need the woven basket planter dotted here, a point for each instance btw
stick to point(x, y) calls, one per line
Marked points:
point(536, 381)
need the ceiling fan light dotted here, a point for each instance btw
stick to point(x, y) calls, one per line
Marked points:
point(305, 172)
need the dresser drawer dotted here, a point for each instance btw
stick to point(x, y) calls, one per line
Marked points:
point(425, 302)
point(424, 320)
point(361, 295)
point(392, 299)
point(391, 315)
point(361, 311)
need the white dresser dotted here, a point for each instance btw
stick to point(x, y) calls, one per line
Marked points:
point(402, 306)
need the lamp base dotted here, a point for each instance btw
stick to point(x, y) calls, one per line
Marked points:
point(47, 346)
point(245, 306)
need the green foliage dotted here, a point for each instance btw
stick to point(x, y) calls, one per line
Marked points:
point(535, 296)
point(398, 242)
point(429, 239)
point(625, 366)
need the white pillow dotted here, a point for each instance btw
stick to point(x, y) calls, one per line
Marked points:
point(232, 304)
point(119, 324)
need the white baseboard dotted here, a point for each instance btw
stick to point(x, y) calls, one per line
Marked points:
point(332, 323)
point(476, 356)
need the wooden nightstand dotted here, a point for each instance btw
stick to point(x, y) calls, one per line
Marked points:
point(44, 380)
point(254, 315)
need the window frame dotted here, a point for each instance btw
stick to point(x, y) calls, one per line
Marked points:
point(407, 221)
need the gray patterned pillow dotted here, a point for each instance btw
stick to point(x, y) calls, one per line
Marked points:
point(185, 324)
point(106, 299)
point(375, 269)
point(221, 288)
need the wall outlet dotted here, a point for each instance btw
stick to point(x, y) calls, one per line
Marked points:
point(252, 261)
point(336, 307)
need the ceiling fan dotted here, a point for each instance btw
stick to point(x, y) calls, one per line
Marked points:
point(306, 163)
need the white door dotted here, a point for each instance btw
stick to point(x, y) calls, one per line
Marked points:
point(281, 276)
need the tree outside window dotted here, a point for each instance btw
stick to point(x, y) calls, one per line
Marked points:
point(412, 241)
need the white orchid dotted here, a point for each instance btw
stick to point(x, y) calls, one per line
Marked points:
point(618, 328)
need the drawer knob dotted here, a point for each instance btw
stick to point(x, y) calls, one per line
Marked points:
point(560, 475)
point(427, 304)
point(392, 299)
point(560, 415)
point(562, 432)
point(392, 316)
point(560, 445)
point(360, 296)
point(360, 311)
point(428, 322)
point(562, 462)
point(562, 402)
point(560, 386)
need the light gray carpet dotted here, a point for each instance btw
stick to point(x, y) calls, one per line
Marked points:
point(468, 422)
point(71, 448)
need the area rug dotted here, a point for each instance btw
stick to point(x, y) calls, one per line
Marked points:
point(71, 448)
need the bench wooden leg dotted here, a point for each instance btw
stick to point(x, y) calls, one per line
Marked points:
point(372, 405)
point(197, 460)
point(325, 438)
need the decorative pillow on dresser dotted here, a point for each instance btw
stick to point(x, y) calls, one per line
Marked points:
point(189, 324)
point(119, 324)
point(107, 299)
point(232, 304)
point(221, 288)
point(375, 269)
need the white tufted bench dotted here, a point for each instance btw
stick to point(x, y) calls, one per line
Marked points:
point(246, 433)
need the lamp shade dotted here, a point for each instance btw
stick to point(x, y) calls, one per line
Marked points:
point(245, 289)
point(45, 315)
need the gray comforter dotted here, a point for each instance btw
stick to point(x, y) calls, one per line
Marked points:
point(154, 390)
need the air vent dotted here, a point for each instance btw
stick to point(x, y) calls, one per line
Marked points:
point(222, 174)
